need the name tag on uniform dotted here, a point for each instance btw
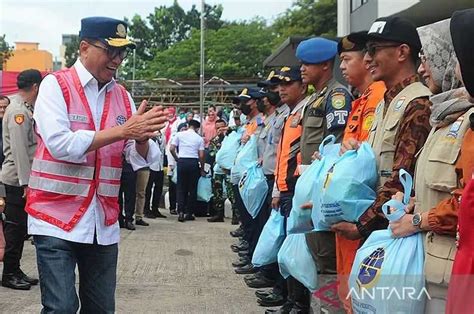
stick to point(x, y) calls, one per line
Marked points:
point(78, 118)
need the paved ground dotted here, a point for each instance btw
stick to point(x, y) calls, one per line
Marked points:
point(168, 267)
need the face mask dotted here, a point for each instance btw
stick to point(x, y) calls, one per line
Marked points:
point(261, 106)
point(273, 98)
point(245, 109)
point(182, 115)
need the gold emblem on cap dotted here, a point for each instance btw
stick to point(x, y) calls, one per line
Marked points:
point(285, 69)
point(271, 75)
point(347, 44)
point(244, 92)
point(121, 30)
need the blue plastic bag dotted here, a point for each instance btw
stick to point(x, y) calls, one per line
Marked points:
point(174, 176)
point(347, 188)
point(225, 156)
point(204, 189)
point(294, 259)
point(246, 157)
point(270, 240)
point(253, 189)
point(300, 219)
point(388, 273)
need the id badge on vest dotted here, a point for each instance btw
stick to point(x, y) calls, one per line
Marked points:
point(295, 120)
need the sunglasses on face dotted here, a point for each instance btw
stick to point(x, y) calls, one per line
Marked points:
point(371, 49)
point(113, 52)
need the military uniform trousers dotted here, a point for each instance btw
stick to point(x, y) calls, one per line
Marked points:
point(218, 189)
point(15, 228)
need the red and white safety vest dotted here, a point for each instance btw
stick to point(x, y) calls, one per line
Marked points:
point(60, 192)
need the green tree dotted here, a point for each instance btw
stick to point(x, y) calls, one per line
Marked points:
point(235, 50)
point(72, 51)
point(165, 27)
point(5, 51)
point(307, 18)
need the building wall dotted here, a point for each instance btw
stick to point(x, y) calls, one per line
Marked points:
point(389, 7)
point(27, 56)
point(363, 17)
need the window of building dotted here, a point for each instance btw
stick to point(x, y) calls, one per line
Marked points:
point(355, 4)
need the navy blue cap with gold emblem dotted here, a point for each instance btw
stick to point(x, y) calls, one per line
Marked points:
point(249, 93)
point(110, 31)
point(288, 74)
point(350, 43)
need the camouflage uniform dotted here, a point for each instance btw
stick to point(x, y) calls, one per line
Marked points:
point(218, 178)
point(218, 181)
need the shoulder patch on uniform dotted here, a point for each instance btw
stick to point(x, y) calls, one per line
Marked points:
point(399, 103)
point(368, 121)
point(338, 100)
point(19, 118)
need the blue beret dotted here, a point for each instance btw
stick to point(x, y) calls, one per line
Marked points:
point(316, 50)
point(111, 31)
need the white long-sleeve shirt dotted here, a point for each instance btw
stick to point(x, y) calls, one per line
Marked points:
point(53, 126)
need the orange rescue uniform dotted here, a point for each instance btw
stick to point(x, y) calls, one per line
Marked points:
point(358, 127)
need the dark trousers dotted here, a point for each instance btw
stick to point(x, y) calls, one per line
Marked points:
point(15, 228)
point(127, 193)
point(188, 176)
point(97, 265)
point(155, 183)
point(245, 218)
point(172, 193)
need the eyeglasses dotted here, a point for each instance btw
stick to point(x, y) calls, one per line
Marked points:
point(113, 52)
point(422, 56)
point(372, 49)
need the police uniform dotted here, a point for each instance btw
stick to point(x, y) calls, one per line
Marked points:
point(326, 113)
point(19, 144)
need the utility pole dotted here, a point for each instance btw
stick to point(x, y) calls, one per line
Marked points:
point(201, 76)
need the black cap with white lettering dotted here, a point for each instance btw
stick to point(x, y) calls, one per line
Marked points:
point(392, 28)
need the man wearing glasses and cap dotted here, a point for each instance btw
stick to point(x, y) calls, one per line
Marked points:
point(401, 123)
point(85, 121)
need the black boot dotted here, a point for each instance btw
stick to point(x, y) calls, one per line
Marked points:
point(181, 217)
point(217, 218)
point(15, 281)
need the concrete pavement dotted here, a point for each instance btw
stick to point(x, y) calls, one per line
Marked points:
point(168, 267)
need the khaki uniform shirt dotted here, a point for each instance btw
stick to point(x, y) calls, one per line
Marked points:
point(325, 114)
point(19, 143)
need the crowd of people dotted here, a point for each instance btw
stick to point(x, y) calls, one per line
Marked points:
point(80, 161)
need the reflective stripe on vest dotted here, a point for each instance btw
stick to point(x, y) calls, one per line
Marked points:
point(59, 187)
point(111, 190)
point(110, 173)
point(60, 169)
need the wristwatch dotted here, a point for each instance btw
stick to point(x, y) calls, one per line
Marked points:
point(416, 220)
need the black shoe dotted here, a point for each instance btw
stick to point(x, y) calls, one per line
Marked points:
point(286, 306)
point(242, 246)
point(150, 215)
point(217, 218)
point(243, 254)
point(14, 281)
point(141, 222)
point(247, 269)
point(158, 214)
point(181, 217)
point(241, 262)
point(237, 233)
point(189, 217)
point(260, 282)
point(28, 279)
point(263, 293)
point(173, 212)
point(129, 225)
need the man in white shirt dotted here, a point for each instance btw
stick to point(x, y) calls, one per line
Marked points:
point(190, 159)
point(85, 122)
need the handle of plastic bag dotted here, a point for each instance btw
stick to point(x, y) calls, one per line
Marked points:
point(330, 139)
point(407, 182)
